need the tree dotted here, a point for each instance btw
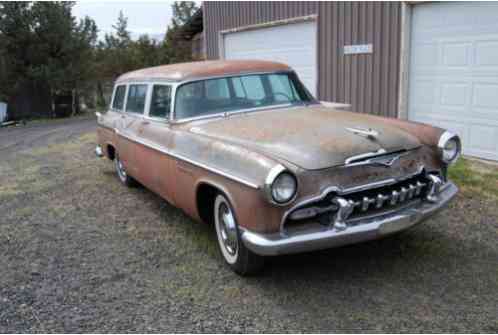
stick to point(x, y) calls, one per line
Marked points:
point(182, 12)
point(114, 55)
point(15, 42)
point(176, 47)
point(45, 50)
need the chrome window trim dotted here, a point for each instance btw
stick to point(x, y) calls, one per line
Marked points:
point(176, 84)
point(149, 98)
point(231, 75)
point(344, 191)
point(186, 159)
point(227, 114)
point(111, 108)
point(140, 115)
point(224, 114)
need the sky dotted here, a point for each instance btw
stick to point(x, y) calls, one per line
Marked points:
point(144, 17)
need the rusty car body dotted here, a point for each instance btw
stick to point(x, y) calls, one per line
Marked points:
point(277, 172)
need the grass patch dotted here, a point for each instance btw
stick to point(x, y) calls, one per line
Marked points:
point(475, 177)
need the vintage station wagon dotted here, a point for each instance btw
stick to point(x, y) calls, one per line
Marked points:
point(243, 145)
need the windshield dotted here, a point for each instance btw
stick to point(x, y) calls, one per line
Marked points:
point(213, 96)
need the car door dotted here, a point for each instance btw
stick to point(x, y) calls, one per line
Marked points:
point(129, 130)
point(115, 113)
point(153, 161)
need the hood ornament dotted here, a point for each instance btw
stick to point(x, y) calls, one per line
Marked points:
point(385, 161)
point(368, 133)
point(375, 158)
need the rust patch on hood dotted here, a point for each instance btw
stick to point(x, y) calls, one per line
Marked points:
point(312, 137)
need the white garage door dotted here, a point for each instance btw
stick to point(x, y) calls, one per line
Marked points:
point(454, 72)
point(293, 44)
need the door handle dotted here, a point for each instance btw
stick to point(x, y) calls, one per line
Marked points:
point(145, 122)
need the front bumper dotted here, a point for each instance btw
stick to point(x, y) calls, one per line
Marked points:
point(364, 230)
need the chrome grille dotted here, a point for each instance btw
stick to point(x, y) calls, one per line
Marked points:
point(367, 202)
point(388, 196)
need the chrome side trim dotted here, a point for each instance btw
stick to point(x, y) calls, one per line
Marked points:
point(319, 237)
point(186, 159)
point(343, 191)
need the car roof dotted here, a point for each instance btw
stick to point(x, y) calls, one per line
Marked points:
point(201, 70)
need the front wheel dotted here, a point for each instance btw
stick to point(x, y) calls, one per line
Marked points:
point(238, 257)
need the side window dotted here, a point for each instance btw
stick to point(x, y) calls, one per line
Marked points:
point(161, 101)
point(282, 88)
point(119, 96)
point(217, 89)
point(193, 90)
point(253, 87)
point(136, 99)
point(238, 87)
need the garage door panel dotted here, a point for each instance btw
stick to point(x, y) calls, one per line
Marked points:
point(455, 54)
point(424, 55)
point(293, 44)
point(454, 72)
point(454, 94)
point(485, 95)
point(486, 53)
point(481, 137)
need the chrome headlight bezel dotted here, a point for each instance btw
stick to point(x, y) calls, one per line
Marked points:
point(279, 171)
point(445, 139)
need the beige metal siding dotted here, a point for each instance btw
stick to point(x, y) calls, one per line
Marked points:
point(369, 82)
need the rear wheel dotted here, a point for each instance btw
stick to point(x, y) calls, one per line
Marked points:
point(238, 257)
point(122, 174)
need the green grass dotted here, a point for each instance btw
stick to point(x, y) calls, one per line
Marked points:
point(473, 176)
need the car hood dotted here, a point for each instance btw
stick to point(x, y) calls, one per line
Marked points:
point(311, 137)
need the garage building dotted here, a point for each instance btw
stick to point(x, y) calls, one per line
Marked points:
point(430, 62)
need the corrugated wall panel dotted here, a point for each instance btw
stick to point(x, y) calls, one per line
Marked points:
point(369, 82)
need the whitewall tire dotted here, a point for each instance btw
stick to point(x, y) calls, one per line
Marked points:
point(233, 250)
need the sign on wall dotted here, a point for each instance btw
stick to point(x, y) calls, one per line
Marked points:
point(358, 49)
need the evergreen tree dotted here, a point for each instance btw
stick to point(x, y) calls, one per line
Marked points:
point(43, 47)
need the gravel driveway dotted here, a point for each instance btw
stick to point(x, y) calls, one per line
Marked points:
point(79, 252)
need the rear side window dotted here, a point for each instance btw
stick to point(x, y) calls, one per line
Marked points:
point(217, 89)
point(119, 96)
point(253, 87)
point(136, 99)
point(161, 101)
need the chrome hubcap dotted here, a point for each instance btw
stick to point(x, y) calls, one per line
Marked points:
point(228, 230)
point(121, 169)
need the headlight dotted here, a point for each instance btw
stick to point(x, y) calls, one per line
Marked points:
point(280, 186)
point(450, 147)
point(283, 188)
